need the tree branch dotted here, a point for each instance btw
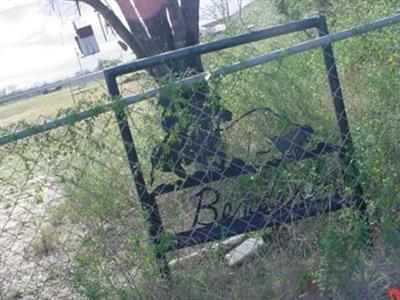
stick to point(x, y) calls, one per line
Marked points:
point(137, 40)
point(154, 15)
point(178, 28)
point(139, 32)
point(116, 23)
point(137, 28)
point(177, 22)
point(190, 10)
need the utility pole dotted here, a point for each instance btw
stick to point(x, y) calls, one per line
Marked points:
point(79, 61)
point(102, 28)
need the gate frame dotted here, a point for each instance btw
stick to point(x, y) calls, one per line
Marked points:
point(148, 200)
point(118, 104)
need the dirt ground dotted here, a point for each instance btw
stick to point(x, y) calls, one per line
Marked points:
point(32, 243)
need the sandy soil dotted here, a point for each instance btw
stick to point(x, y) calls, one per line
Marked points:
point(34, 246)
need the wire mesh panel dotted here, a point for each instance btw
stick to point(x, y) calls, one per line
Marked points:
point(208, 170)
point(195, 149)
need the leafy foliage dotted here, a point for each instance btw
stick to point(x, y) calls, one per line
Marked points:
point(109, 254)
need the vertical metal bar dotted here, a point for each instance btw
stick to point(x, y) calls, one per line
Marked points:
point(350, 170)
point(147, 200)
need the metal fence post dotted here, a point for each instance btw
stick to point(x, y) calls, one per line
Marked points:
point(147, 200)
point(350, 170)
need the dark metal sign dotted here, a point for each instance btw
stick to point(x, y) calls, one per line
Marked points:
point(214, 218)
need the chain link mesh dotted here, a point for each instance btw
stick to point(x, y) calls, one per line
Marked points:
point(72, 226)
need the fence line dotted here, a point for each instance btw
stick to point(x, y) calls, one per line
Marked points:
point(65, 83)
point(96, 209)
point(275, 55)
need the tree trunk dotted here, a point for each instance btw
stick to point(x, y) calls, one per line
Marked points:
point(156, 26)
point(190, 11)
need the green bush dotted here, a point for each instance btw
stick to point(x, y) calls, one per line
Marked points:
point(328, 253)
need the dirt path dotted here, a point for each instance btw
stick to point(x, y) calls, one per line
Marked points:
point(33, 244)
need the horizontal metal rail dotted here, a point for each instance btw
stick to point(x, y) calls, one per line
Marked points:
point(213, 46)
point(71, 82)
point(275, 55)
point(228, 227)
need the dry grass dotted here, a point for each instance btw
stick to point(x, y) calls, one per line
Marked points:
point(45, 107)
point(46, 241)
point(30, 110)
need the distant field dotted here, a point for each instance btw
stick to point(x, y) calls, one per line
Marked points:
point(30, 110)
point(43, 107)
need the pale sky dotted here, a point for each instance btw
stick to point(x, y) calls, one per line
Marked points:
point(37, 45)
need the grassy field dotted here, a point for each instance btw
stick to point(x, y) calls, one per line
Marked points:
point(43, 107)
point(82, 216)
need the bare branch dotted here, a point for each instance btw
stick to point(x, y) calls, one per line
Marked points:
point(137, 39)
point(190, 10)
point(177, 22)
point(137, 28)
point(154, 15)
point(178, 25)
point(116, 23)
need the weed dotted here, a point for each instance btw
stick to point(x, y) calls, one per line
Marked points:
point(45, 242)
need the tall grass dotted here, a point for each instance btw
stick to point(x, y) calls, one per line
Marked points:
point(324, 256)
